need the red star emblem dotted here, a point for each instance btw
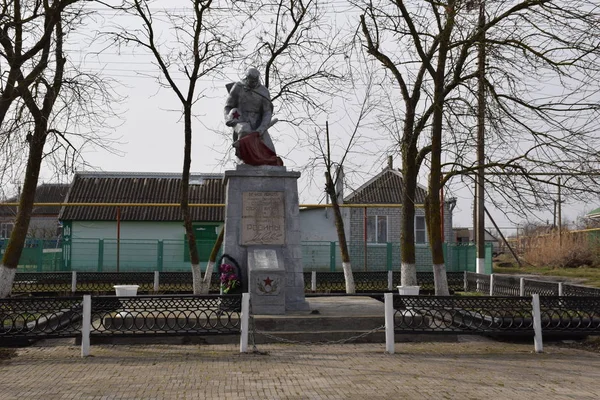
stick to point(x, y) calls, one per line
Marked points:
point(235, 115)
point(268, 281)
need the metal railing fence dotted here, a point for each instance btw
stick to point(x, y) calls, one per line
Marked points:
point(40, 317)
point(169, 315)
point(157, 315)
point(506, 285)
point(173, 315)
point(464, 315)
point(524, 316)
point(68, 283)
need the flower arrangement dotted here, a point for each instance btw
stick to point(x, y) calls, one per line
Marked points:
point(229, 278)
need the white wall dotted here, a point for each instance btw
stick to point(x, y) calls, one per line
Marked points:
point(318, 225)
point(139, 247)
point(129, 230)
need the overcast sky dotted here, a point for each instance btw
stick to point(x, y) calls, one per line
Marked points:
point(150, 132)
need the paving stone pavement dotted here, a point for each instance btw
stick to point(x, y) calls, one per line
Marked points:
point(471, 370)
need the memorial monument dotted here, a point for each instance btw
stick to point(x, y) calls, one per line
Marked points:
point(262, 229)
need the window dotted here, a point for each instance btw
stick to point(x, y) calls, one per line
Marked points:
point(6, 230)
point(420, 230)
point(377, 229)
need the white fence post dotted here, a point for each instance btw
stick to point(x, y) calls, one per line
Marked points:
point(389, 322)
point(522, 287)
point(537, 324)
point(390, 280)
point(244, 325)
point(73, 281)
point(491, 284)
point(86, 325)
point(466, 281)
point(156, 281)
point(560, 289)
point(313, 281)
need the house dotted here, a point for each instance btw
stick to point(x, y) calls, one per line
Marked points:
point(373, 233)
point(44, 220)
point(383, 223)
point(97, 237)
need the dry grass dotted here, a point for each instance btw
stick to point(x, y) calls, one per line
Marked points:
point(574, 257)
point(570, 251)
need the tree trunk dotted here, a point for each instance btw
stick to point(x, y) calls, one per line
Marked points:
point(41, 116)
point(211, 262)
point(185, 209)
point(330, 189)
point(407, 236)
point(432, 213)
point(10, 260)
point(341, 234)
point(346, 265)
point(432, 204)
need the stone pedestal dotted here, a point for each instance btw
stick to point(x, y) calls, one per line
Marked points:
point(262, 228)
point(266, 279)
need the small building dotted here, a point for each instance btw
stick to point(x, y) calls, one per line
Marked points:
point(98, 237)
point(44, 220)
point(373, 233)
point(467, 235)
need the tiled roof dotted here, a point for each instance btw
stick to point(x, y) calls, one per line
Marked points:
point(45, 193)
point(384, 188)
point(131, 187)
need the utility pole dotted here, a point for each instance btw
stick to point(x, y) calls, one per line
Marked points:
point(559, 215)
point(479, 188)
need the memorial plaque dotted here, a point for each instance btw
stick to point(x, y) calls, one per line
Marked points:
point(265, 259)
point(263, 218)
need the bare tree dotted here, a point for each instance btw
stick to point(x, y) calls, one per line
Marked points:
point(26, 38)
point(541, 106)
point(334, 174)
point(37, 91)
point(528, 41)
point(204, 46)
point(377, 18)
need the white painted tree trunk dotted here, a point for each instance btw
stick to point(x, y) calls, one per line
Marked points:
point(207, 277)
point(7, 277)
point(440, 280)
point(197, 278)
point(408, 274)
point(348, 277)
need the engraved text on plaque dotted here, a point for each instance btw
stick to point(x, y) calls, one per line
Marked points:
point(263, 218)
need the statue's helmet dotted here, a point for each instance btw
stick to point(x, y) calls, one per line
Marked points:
point(252, 77)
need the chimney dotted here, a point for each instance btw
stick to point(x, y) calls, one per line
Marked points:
point(390, 162)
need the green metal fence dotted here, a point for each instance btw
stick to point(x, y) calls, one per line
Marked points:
point(39, 255)
point(127, 255)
